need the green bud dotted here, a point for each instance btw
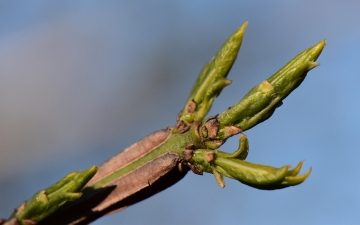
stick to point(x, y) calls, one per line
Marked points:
point(255, 175)
point(259, 176)
point(261, 101)
point(249, 110)
point(211, 79)
point(45, 202)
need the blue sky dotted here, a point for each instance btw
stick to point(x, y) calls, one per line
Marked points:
point(80, 81)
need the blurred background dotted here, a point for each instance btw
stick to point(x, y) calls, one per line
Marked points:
point(82, 80)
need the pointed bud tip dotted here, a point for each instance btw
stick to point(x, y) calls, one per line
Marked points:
point(94, 168)
point(228, 82)
point(240, 31)
point(306, 175)
point(318, 48)
point(321, 44)
point(244, 25)
point(312, 65)
point(219, 178)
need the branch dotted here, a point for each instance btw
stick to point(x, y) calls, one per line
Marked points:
point(164, 157)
